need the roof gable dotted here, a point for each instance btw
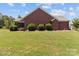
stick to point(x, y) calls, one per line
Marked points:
point(39, 12)
point(37, 16)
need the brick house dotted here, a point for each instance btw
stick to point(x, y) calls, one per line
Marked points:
point(40, 16)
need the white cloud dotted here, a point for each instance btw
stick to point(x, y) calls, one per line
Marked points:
point(72, 13)
point(23, 4)
point(77, 8)
point(58, 12)
point(15, 11)
point(11, 4)
point(64, 8)
point(44, 4)
point(38, 4)
point(62, 12)
point(71, 8)
point(26, 12)
point(48, 4)
point(47, 7)
point(62, 3)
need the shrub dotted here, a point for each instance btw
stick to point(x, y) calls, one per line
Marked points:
point(41, 27)
point(1, 26)
point(76, 23)
point(48, 27)
point(31, 27)
point(13, 28)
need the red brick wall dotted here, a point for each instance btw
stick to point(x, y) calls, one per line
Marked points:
point(64, 25)
point(60, 25)
point(55, 25)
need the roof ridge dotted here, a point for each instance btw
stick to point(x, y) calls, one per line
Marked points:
point(36, 9)
point(54, 16)
point(30, 12)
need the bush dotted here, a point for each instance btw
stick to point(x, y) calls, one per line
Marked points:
point(41, 27)
point(13, 28)
point(48, 27)
point(31, 27)
point(76, 23)
point(1, 26)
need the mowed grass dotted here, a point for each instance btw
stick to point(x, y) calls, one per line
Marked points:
point(39, 43)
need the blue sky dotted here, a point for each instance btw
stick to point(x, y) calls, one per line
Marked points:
point(69, 10)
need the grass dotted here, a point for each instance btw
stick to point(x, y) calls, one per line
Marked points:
point(39, 43)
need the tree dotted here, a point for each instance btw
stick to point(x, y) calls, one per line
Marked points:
point(19, 16)
point(1, 16)
point(76, 23)
point(7, 21)
point(11, 18)
point(1, 21)
point(12, 22)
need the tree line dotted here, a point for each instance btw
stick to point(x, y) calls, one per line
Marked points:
point(7, 21)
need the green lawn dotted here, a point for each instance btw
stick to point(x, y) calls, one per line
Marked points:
point(39, 43)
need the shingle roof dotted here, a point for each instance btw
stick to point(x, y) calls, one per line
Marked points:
point(59, 18)
point(35, 10)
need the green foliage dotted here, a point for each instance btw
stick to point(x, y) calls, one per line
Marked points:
point(7, 21)
point(11, 18)
point(19, 16)
point(41, 27)
point(1, 23)
point(76, 23)
point(13, 24)
point(31, 27)
point(13, 28)
point(48, 27)
point(1, 26)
